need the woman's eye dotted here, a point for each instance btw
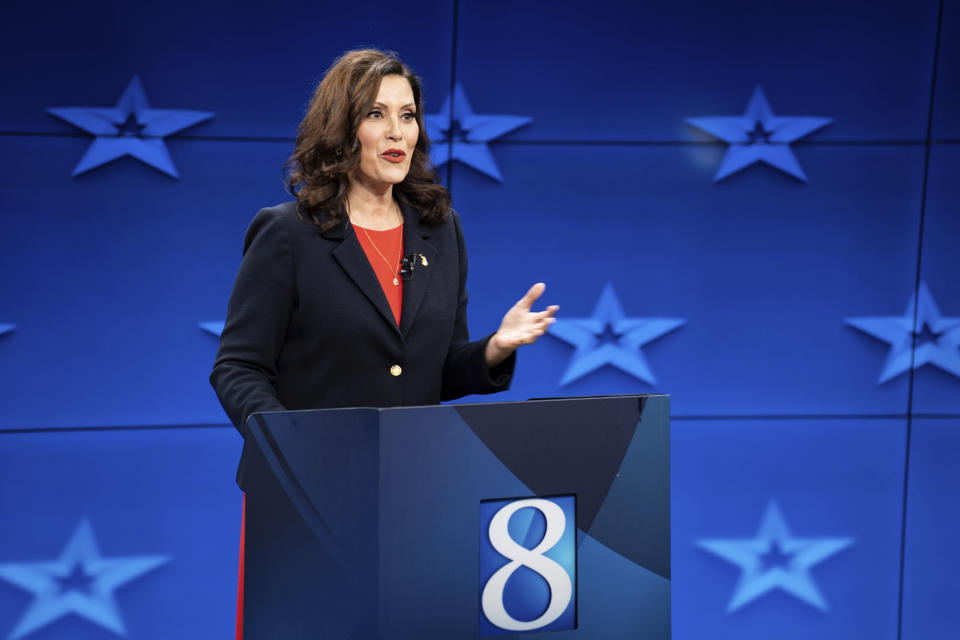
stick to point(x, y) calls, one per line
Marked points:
point(409, 116)
point(374, 114)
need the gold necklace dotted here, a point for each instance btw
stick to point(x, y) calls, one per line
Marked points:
point(396, 281)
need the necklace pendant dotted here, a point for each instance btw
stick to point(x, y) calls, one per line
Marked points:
point(396, 282)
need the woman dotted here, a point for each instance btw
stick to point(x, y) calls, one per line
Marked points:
point(354, 295)
point(326, 311)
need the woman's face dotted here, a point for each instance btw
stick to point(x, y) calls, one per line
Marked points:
point(387, 135)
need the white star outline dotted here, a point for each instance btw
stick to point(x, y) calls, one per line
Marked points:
point(98, 606)
point(109, 144)
point(625, 353)
point(898, 332)
point(744, 150)
point(795, 579)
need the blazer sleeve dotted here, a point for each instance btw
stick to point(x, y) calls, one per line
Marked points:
point(465, 370)
point(245, 371)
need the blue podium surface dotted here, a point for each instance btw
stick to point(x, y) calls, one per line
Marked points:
point(462, 521)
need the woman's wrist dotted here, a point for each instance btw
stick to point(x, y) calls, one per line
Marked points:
point(495, 353)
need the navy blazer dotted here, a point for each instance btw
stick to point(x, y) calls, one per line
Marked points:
point(308, 325)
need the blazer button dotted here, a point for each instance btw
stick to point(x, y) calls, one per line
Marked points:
point(395, 370)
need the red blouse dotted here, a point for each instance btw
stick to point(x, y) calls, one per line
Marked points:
point(384, 251)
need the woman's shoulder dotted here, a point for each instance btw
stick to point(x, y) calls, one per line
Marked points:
point(277, 224)
point(283, 213)
point(449, 223)
point(448, 232)
point(452, 225)
point(280, 217)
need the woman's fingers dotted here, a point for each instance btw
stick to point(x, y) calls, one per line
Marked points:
point(531, 295)
point(546, 313)
point(523, 326)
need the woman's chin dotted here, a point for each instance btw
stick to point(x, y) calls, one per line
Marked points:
point(394, 176)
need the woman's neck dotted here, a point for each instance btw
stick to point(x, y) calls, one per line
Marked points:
point(375, 211)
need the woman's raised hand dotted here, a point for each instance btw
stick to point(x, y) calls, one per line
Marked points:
point(521, 325)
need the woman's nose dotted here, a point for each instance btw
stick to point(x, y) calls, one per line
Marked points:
point(393, 131)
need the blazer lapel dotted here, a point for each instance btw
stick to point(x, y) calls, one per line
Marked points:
point(415, 237)
point(354, 262)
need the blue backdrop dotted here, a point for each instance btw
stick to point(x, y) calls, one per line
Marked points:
point(750, 206)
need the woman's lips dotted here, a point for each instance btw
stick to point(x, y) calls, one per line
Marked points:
point(394, 155)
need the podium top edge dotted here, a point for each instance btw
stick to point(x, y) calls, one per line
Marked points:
point(472, 404)
point(598, 397)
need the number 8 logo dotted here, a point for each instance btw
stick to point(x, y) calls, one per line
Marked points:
point(561, 589)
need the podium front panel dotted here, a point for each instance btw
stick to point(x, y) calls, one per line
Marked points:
point(397, 525)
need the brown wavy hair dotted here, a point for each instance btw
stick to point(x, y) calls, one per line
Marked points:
point(327, 148)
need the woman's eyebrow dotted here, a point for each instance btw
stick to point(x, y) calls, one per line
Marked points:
point(409, 105)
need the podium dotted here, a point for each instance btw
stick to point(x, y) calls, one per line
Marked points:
point(460, 521)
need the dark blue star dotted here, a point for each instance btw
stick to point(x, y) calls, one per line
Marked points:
point(609, 337)
point(76, 580)
point(775, 559)
point(467, 137)
point(131, 128)
point(759, 136)
point(927, 335)
point(937, 342)
point(80, 581)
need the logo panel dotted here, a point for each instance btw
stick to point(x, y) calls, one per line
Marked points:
point(528, 565)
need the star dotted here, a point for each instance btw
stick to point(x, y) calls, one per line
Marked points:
point(759, 136)
point(937, 338)
point(7, 328)
point(213, 328)
point(131, 128)
point(609, 337)
point(80, 581)
point(469, 133)
point(774, 559)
